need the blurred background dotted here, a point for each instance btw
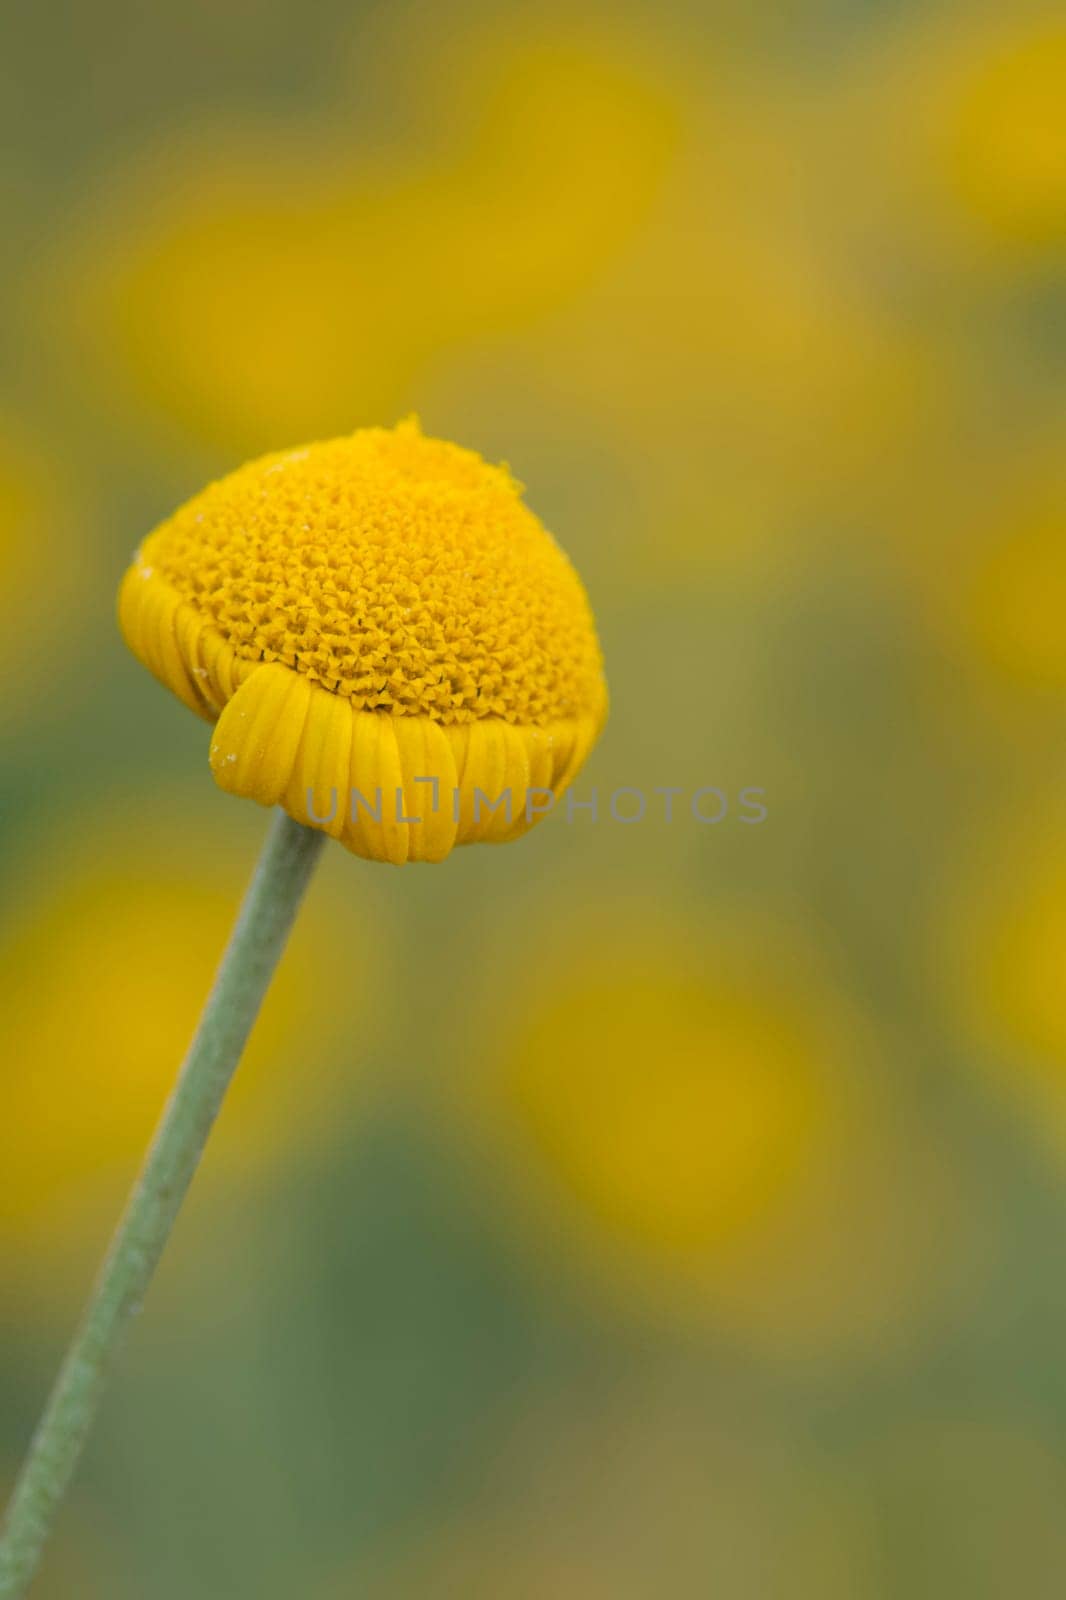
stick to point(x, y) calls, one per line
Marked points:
point(672, 1208)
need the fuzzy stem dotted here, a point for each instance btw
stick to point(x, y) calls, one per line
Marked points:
point(260, 934)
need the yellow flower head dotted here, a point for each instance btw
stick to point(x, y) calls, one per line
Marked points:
point(394, 648)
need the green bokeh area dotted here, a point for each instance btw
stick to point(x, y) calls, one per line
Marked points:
point(686, 1216)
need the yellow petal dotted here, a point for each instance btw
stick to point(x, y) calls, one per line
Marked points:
point(147, 612)
point(258, 734)
point(429, 783)
point(317, 792)
point(376, 776)
point(483, 786)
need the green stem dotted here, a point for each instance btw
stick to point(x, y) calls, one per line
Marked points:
point(255, 945)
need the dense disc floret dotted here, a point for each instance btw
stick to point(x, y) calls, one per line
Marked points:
point(399, 571)
point(368, 615)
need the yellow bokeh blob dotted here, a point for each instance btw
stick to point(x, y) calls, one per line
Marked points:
point(694, 1116)
point(746, 377)
point(1003, 135)
point(677, 1108)
point(102, 979)
point(275, 284)
point(954, 127)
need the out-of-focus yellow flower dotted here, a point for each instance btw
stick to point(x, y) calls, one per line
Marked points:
point(695, 1111)
point(267, 285)
point(1002, 951)
point(761, 383)
point(104, 967)
point(678, 1106)
point(1002, 132)
point(954, 127)
point(393, 646)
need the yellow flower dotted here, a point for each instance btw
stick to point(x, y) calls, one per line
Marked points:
point(394, 647)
